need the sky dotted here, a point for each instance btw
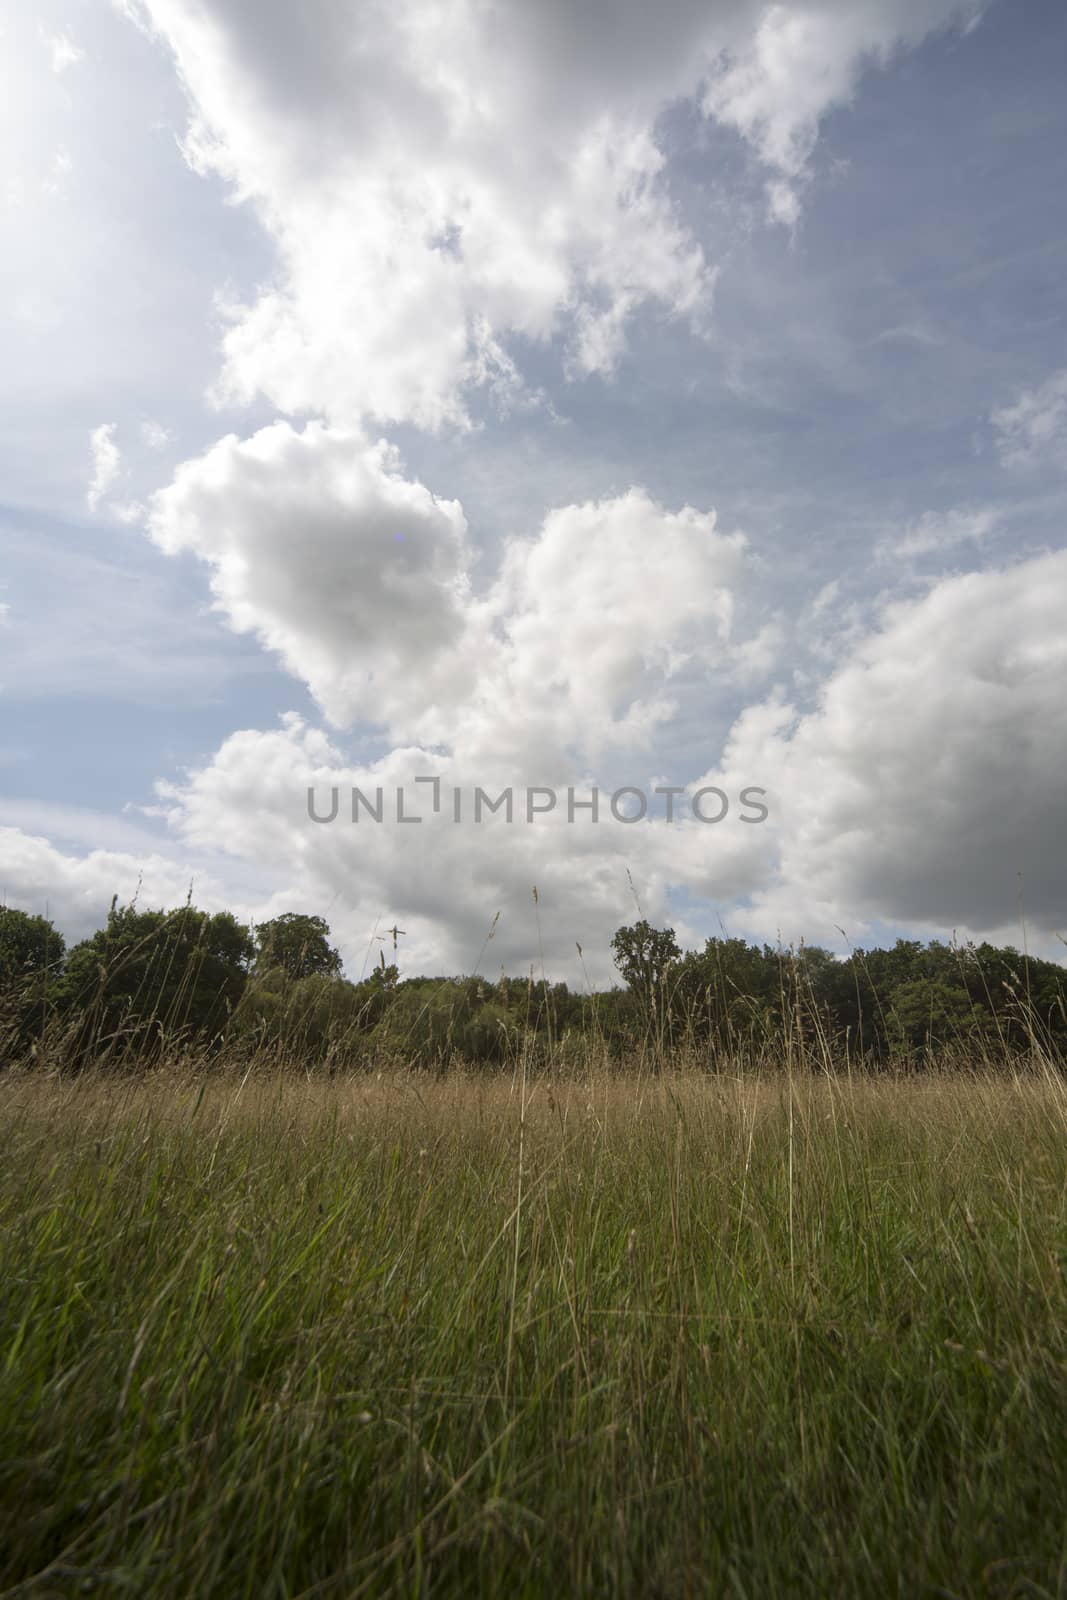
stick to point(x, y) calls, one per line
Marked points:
point(537, 399)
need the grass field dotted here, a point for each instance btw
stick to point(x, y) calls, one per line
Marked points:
point(672, 1336)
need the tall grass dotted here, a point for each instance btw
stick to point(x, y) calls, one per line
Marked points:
point(670, 1335)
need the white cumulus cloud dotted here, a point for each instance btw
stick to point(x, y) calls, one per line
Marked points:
point(76, 890)
point(445, 880)
point(926, 787)
point(923, 788)
point(362, 580)
point(319, 545)
point(440, 178)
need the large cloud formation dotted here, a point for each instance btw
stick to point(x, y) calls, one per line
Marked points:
point(926, 787)
point(76, 890)
point(923, 787)
point(440, 178)
point(361, 580)
point(317, 543)
point(444, 184)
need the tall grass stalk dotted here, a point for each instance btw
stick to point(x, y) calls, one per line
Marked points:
point(676, 1334)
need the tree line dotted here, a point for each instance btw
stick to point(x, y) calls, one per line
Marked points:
point(153, 984)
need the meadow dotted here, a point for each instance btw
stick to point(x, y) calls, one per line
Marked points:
point(616, 1333)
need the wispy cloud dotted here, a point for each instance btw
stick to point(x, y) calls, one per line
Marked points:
point(63, 52)
point(909, 333)
point(936, 531)
point(155, 435)
point(1034, 429)
point(107, 463)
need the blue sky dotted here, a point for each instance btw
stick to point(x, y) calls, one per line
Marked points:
point(521, 288)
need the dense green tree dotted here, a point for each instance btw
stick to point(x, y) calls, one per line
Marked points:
point(313, 1019)
point(926, 1012)
point(28, 944)
point(299, 944)
point(645, 957)
point(727, 993)
point(31, 960)
point(960, 990)
point(153, 976)
point(426, 1020)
